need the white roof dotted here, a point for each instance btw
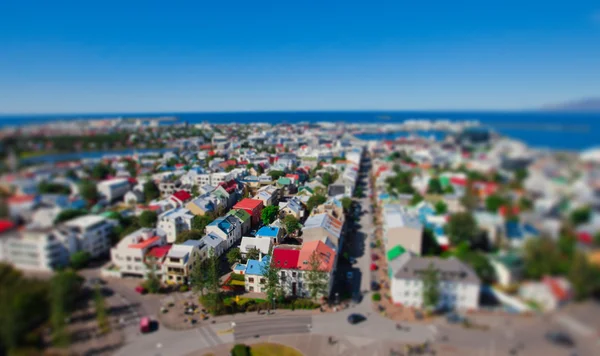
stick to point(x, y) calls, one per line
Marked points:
point(397, 216)
point(85, 221)
point(263, 244)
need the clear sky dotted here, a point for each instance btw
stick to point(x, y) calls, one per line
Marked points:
point(145, 56)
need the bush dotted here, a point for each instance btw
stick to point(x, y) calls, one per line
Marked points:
point(240, 350)
point(80, 259)
point(376, 297)
point(184, 288)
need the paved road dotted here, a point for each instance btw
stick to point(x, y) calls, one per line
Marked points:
point(272, 325)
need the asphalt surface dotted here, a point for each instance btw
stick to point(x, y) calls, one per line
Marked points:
point(272, 325)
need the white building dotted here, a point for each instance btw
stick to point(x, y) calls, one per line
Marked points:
point(113, 189)
point(458, 285)
point(228, 228)
point(175, 221)
point(262, 244)
point(91, 232)
point(180, 261)
point(129, 254)
point(254, 278)
point(35, 249)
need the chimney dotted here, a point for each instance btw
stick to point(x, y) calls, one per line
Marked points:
point(260, 256)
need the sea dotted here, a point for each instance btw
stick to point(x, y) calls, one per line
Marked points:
point(539, 129)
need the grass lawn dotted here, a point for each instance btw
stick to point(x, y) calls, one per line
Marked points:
point(268, 349)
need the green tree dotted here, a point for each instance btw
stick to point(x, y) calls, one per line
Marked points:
point(199, 277)
point(101, 313)
point(80, 259)
point(68, 214)
point(148, 218)
point(358, 192)
point(416, 199)
point(461, 227)
point(316, 277)
point(275, 175)
point(234, 255)
point(195, 190)
point(478, 261)
point(584, 278)
point(213, 284)
point(88, 191)
point(188, 235)
point(434, 186)
point(521, 174)
point(53, 188)
point(580, 216)
point(449, 189)
point(430, 244)
point(431, 289)
point(470, 200)
point(315, 201)
point(542, 257)
point(346, 204)
point(327, 179)
point(525, 204)
point(249, 166)
point(272, 286)
point(199, 222)
point(253, 254)
point(152, 282)
point(64, 291)
point(71, 175)
point(151, 191)
point(269, 214)
point(494, 202)
point(291, 223)
point(441, 207)
point(101, 171)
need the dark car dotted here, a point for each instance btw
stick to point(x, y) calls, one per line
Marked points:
point(356, 318)
point(375, 286)
point(454, 318)
point(560, 338)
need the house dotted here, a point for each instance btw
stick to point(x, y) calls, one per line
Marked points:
point(269, 195)
point(180, 198)
point(130, 253)
point(253, 207)
point(286, 259)
point(287, 160)
point(113, 189)
point(206, 203)
point(254, 276)
point(228, 190)
point(517, 233)
point(215, 244)
point(228, 228)
point(38, 249)
point(508, 267)
point(459, 285)
point(292, 207)
point(175, 221)
point(332, 207)
point(134, 196)
point(263, 244)
point(244, 219)
point(400, 227)
point(91, 233)
point(180, 261)
point(549, 294)
point(327, 262)
point(274, 233)
point(325, 228)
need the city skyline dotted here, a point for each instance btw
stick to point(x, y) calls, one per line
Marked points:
point(239, 57)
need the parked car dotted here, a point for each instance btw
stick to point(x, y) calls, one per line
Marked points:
point(560, 338)
point(356, 318)
point(141, 290)
point(352, 260)
point(454, 318)
point(375, 286)
point(349, 275)
point(145, 324)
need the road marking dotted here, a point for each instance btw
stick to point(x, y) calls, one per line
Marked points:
point(205, 337)
point(576, 325)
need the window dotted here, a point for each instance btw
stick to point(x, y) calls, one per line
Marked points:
point(251, 280)
point(262, 281)
point(128, 258)
point(251, 289)
point(137, 259)
point(293, 274)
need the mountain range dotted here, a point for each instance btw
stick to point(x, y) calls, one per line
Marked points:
point(580, 105)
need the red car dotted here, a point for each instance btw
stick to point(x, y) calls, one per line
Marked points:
point(141, 290)
point(373, 267)
point(374, 257)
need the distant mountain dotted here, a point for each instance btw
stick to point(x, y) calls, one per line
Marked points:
point(582, 105)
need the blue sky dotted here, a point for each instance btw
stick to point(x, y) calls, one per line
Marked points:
point(138, 56)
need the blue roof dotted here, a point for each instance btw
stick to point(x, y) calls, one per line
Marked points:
point(513, 230)
point(255, 267)
point(240, 267)
point(439, 231)
point(216, 221)
point(529, 229)
point(269, 231)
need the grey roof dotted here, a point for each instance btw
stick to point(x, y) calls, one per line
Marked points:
point(450, 269)
point(336, 189)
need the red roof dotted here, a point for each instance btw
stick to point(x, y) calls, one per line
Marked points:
point(229, 186)
point(6, 225)
point(179, 165)
point(293, 176)
point(244, 162)
point(248, 203)
point(132, 180)
point(503, 210)
point(145, 243)
point(182, 195)
point(228, 163)
point(285, 258)
point(555, 286)
point(19, 199)
point(585, 237)
point(159, 251)
point(206, 147)
point(458, 181)
point(211, 153)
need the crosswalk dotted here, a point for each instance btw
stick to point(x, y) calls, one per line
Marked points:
point(208, 335)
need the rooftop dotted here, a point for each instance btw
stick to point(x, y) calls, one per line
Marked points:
point(268, 231)
point(248, 203)
point(145, 243)
point(286, 257)
point(159, 251)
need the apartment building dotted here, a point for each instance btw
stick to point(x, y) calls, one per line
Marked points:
point(114, 189)
point(175, 221)
point(401, 227)
point(181, 258)
point(130, 253)
point(228, 228)
point(91, 233)
point(35, 249)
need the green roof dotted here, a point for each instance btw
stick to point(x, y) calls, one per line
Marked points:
point(242, 215)
point(111, 215)
point(395, 252)
point(284, 181)
point(305, 188)
point(445, 181)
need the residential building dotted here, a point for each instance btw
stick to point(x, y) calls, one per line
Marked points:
point(261, 243)
point(286, 259)
point(215, 244)
point(276, 234)
point(508, 267)
point(458, 284)
point(244, 219)
point(325, 228)
point(228, 228)
point(180, 261)
point(400, 227)
point(549, 294)
point(175, 221)
point(254, 274)
point(207, 203)
point(253, 207)
point(35, 249)
point(134, 196)
point(269, 195)
point(130, 253)
point(327, 262)
point(292, 207)
point(91, 233)
point(113, 189)
point(180, 198)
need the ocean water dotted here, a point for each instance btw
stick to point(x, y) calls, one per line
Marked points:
point(568, 131)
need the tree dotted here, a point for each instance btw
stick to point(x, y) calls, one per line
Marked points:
point(269, 214)
point(434, 186)
point(152, 283)
point(250, 166)
point(430, 244)
point(53, 188)
point(478, 261)
point(188, 235)
point(441, 207)
point(584, 278)
point(272, 285)
point(525, 204)
point(253, 254)
point(470, 199)
point(100, 171)
point(346, 204)
point(416, 199)
point(71, 175)
point(229, 168)
point(541, 258)
point(316, 277)
point(580, 216)
point(431, 289)
point(521, 174)
point(64, 291)
point(131, 167)
point(292, 224)
point(151, 191)
point(101, 314)
point(358, 192)
point(80, 259)
point(461, 227)
point(213, 284)
point(68, 214)
point(199, 276)
point(327, 179)
point(494, 202)
point(195, 191)
point(234, 255)
point(275, 175)
point(449, 189)
point(315, 201)
point(88, 191)
point(199, 222)
point(148, 218)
